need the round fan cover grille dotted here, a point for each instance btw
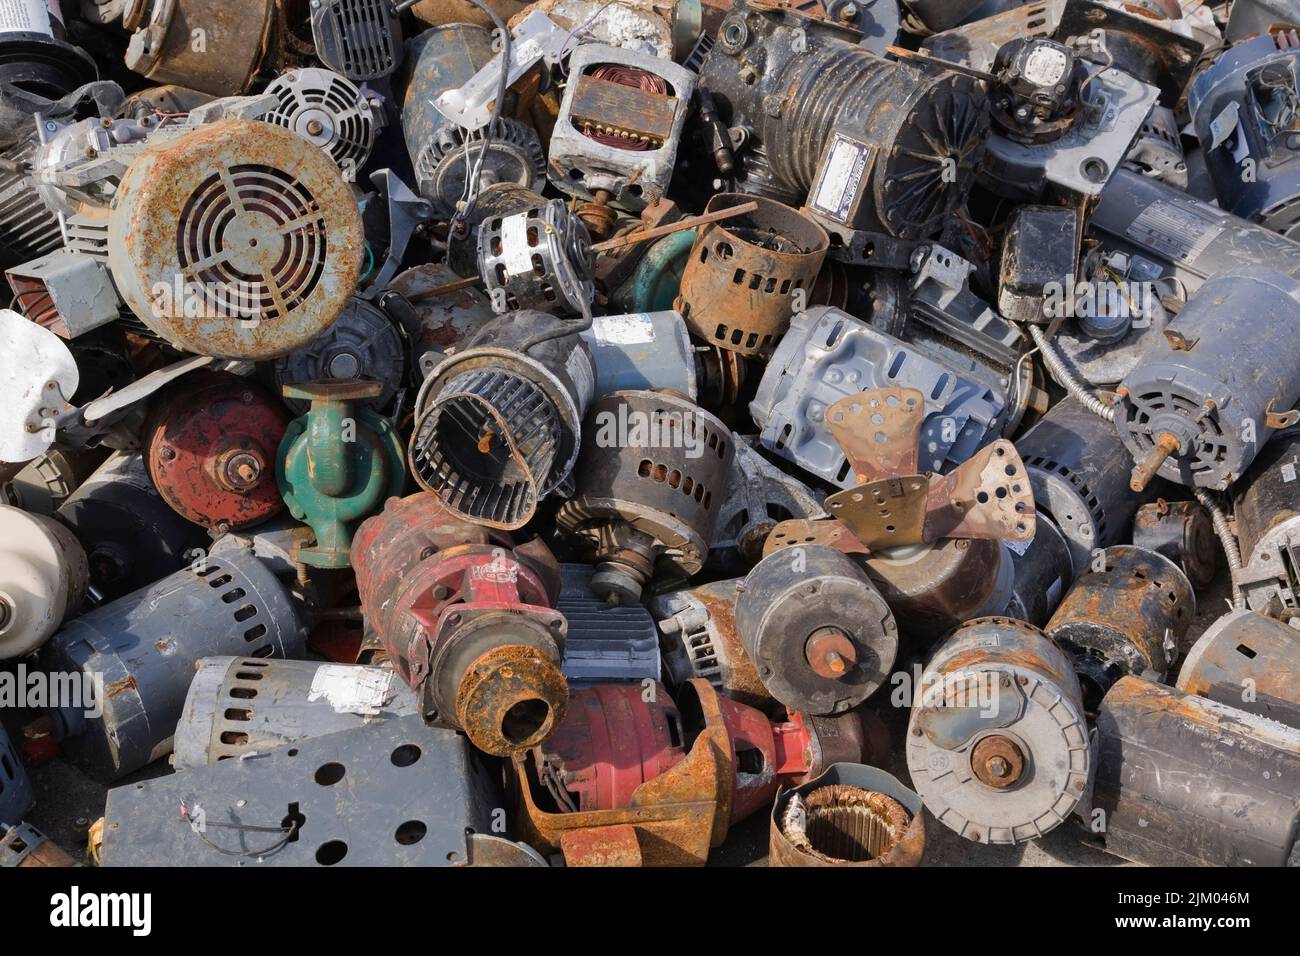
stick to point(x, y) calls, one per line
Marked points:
point(326, 109)
point(239, 240)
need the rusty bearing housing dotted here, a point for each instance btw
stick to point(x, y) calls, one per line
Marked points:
point(654, 467)
point(745, 275)
point(468, 620)
point(238, 239)
point(1117, 619)
point(210, 447)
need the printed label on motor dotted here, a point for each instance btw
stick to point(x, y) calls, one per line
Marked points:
point(25, 16)
point(634, 329)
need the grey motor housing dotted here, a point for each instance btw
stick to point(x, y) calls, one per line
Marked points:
point(241, 706)
point(144, 647)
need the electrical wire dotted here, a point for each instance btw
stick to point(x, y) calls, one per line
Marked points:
point(471, 184)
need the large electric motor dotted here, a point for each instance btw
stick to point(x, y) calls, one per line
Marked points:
point(997, 744)
point(238, 239)
point(139, 654)
point(210, 445)
point(468, 621)
point(816, 628)
point(1220, 782)
point(1267, 510)
point(1198, 406)
point(872, 145)
point(1244, 108)
point(654, 467)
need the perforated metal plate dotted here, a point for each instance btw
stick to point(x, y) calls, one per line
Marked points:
point(397, 793)
point(880, 431)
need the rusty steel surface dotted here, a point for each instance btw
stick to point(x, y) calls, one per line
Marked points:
point(744, 275)
point(880, 431)
point(935, 588)
point(214, 46)
point(740, 678)
point(887, 513)
point(238, 239)
point(1124, 617)
point(210, 447)
point(798, 532)
point(511, 699)
point(986, 496)
point(849, 816)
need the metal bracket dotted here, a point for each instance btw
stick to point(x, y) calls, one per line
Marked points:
point(880, 431)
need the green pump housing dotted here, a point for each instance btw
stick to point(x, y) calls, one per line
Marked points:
point(337, 465)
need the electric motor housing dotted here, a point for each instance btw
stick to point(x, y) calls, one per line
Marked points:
point(1208, 385)
point(1238, 107)
point(1239, 808)
point(821, 635)
point(1042, 572)
point(1267, 512)
point(468, 620)
point(649, 485)
point(619, 125)
point(131, 536)
point(199, 43)
point(1079, 472)
point(445, 58)
point(1191, 238)
point(15, 786)
point(362, 39)
point(237, 239)
point(997, 743)
point(1125, 617)
point(1183, 532)
point(498, 423)
point(210, 444)
point(538, 258)
point(933, 588)
point(43, 577)
point(697, 629)
point(1248, 661)
point(139, 652)
point(362, 343)
point(240, 706)
point(326, 109)
point(747, 275)
point(872, 144)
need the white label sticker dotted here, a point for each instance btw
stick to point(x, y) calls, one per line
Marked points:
point(30, 16)
point(516, 252)
point(633, 329)
point(351, 689)
point(1044, 66)
point(840, 177)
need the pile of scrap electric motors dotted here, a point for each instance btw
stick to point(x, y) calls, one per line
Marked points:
point(469, 433)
